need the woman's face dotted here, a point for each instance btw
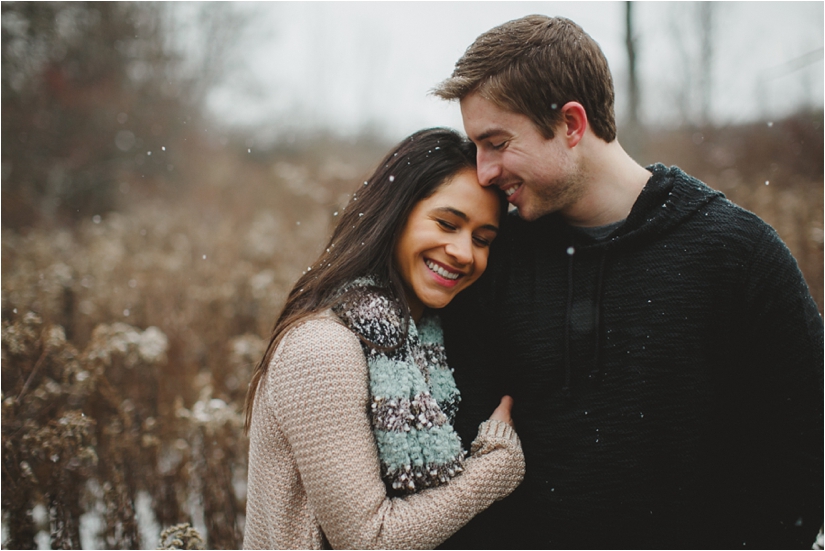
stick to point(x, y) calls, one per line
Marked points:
point(444, 245)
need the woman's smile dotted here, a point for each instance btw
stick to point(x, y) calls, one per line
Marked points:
point(443, 274)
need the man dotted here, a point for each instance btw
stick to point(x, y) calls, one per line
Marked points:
point(661, 346)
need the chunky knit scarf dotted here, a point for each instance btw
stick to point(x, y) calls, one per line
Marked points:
point(412, 391)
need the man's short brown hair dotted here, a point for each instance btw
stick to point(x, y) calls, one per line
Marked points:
point(533, 66)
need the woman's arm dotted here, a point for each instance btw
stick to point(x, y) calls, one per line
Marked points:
point(318, 389)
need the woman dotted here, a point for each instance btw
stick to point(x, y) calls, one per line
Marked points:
point(350, 411)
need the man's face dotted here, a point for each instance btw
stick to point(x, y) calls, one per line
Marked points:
point(538, 175)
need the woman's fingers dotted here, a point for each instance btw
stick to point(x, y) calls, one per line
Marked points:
point(502, 412)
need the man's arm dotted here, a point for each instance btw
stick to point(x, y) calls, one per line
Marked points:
point(781, 389)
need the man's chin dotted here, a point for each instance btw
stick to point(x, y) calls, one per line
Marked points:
point(526, 215)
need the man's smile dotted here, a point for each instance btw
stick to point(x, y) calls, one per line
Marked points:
point(510, 189)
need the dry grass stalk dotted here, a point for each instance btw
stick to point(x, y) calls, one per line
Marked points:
point(127, 343)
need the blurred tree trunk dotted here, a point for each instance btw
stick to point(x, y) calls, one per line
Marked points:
point(705, 18)
point(631, 137)
point(96, 101)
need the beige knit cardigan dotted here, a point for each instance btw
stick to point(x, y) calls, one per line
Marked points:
point(314, 476)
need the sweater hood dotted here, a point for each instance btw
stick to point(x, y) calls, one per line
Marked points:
point(669, 198)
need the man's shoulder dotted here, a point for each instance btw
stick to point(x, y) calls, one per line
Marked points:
point(728, 220)
point(708, 207)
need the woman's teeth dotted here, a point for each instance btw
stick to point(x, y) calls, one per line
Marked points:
point(441, 271)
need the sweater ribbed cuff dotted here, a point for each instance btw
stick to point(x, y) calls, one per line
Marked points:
point(495, 429)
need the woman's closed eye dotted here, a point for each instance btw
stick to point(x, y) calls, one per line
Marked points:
point(479, 240)
point(482, 241)
point(448, 226)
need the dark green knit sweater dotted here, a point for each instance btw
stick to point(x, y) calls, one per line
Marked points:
point(667, 380)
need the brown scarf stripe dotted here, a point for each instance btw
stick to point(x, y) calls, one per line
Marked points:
point(402, 415)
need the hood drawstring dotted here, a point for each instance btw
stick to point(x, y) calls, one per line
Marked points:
point(595, 374)
point(567, 321)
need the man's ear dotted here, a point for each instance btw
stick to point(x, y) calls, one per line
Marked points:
point(574, 118)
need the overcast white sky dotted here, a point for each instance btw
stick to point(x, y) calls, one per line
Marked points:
point(349, 65)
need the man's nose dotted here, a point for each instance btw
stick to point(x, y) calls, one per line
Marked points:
point(488, 168)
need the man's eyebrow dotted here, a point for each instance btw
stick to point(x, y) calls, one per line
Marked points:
point(464, 217)
point(487, 134)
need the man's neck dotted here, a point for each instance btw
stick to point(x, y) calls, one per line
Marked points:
point(613, 182)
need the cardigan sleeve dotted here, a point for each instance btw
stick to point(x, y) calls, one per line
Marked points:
point(318, 384)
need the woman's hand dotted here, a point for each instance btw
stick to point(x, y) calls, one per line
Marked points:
point(502, 412)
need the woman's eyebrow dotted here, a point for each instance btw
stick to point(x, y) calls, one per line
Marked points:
point(456, 212)
point(451, 210)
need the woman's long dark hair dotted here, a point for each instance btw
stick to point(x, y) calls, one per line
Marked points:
point(363, 241)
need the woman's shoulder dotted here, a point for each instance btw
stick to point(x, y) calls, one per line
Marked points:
point(320, 346)
point(317, 332)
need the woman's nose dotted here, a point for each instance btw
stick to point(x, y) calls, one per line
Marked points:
point(461, 249)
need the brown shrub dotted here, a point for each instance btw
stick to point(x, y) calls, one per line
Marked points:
point(128, 343)
point(128, 340)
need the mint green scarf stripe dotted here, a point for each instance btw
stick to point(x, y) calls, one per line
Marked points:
point(391, 379)
point(429, 331)
point(435, 446)
point(442, 384)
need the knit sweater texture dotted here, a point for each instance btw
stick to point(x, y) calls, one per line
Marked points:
point(667, 380)
point(314, 477)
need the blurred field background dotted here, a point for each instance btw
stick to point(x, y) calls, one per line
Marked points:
point(147, 247)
